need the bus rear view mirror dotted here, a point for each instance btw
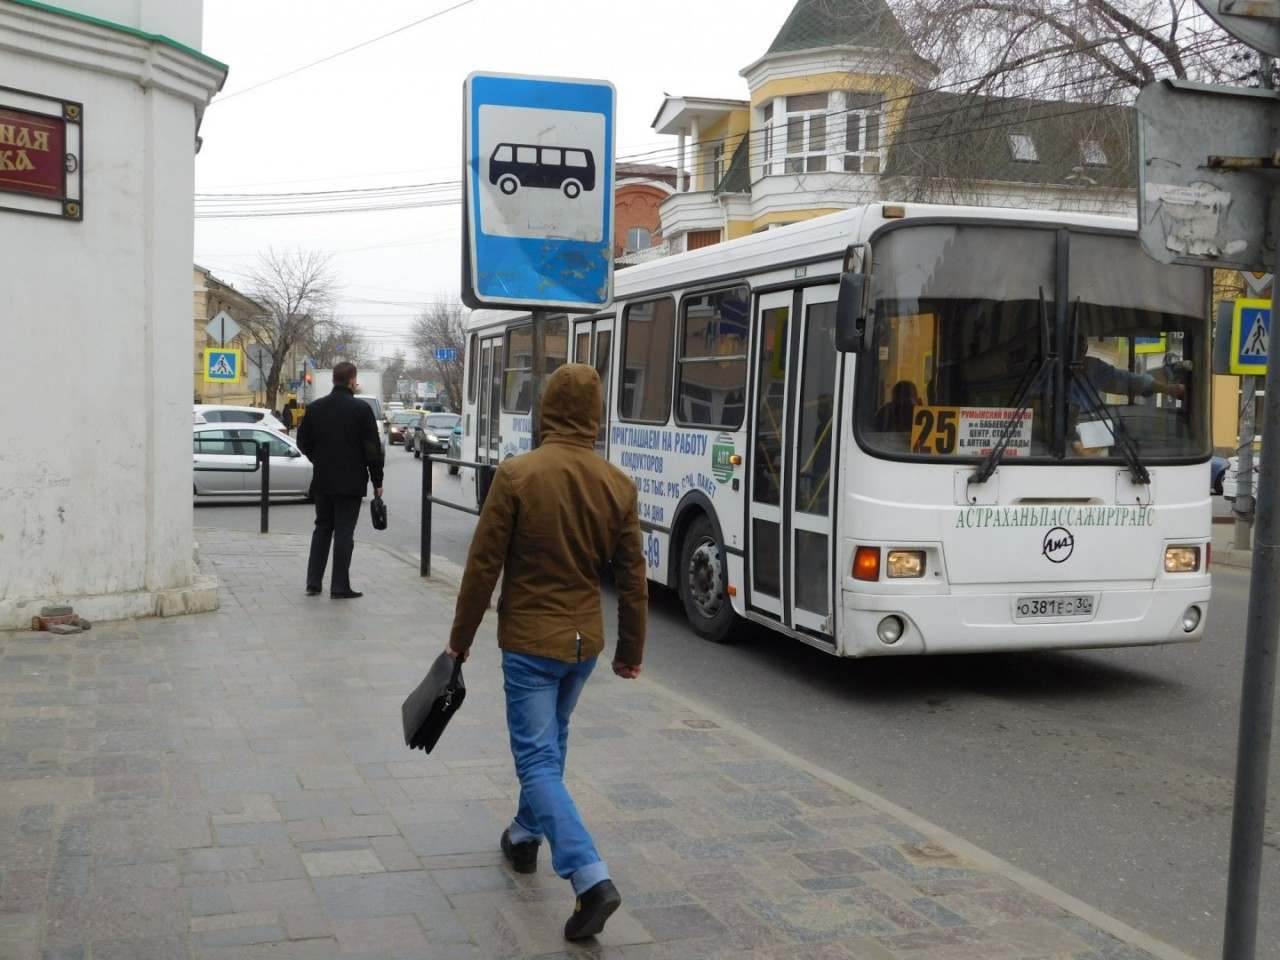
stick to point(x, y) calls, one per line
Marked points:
point(851, 320)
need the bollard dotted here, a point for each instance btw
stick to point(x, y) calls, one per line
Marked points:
point(424, 564)
point(264, 463)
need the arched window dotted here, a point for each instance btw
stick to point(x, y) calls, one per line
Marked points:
point(638, 238)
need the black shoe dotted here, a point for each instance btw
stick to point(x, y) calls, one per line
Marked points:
point(592, 910)
point(344, 594)
point(314, 591)
point(523, 856)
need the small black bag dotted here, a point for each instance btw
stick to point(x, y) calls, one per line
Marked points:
point(428, 709)
point(378, 513)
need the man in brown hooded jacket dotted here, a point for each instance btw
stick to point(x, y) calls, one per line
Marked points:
point(553, 520)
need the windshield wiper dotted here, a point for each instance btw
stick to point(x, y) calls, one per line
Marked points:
point(1023, 397)
point(1119, 433)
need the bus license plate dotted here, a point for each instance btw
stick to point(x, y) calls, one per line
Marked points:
point(1035, 608)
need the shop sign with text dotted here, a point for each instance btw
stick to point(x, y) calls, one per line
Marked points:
point(40, 149)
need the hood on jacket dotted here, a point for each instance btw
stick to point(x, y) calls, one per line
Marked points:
point(571, 404)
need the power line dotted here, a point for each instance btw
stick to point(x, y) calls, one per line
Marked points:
point(340, 53)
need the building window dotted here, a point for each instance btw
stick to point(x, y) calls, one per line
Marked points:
point(807, 116)
point(638, 238)
point(648, 345)
point(697, 239)
point(712, 369)
point(717, 164)
point(768, 139)
point(1023, 147)
point(1092, 153)
point(862, 132)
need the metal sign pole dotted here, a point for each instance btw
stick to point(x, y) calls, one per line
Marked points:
point(222, 342)
point(1257, 696)
point(1244, 505)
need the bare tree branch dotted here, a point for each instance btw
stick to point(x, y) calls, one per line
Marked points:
point(442, 326)
point(297, 292)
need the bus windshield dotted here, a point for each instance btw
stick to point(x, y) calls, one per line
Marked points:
point(958, 359)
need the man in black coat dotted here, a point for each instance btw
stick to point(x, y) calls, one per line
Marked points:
point(340, 437)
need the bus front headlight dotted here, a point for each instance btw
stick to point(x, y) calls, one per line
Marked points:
point(1181, 559)
point(905, 564)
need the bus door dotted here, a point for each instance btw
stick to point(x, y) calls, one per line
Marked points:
point(593, 344)
point(488, 418)
point(792, 458)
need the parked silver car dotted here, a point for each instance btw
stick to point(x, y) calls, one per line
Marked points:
point(223, 456)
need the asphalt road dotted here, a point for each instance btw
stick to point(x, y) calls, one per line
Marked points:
point(1108, 774)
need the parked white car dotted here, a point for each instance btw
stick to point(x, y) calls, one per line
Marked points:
point(1231, 478)
point(223, 458)
point(218, 413)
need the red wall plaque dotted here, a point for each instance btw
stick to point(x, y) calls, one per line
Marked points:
point(33, 154)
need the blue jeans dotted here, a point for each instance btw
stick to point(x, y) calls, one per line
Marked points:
point(541, 695)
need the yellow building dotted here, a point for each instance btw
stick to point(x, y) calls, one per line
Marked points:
point(212, 296)
point(839, 113)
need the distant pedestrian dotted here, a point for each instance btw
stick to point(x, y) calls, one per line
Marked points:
point(340, 436)
point(287, 413)
point(552, 521)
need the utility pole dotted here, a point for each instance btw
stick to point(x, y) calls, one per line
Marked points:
point(1262, 640)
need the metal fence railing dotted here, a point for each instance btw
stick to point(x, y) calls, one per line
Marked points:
point(261, 464)
point(484, 477)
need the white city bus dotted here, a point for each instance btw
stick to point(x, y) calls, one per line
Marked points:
point(995, 440)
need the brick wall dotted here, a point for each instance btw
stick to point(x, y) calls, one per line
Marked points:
point(636, 205)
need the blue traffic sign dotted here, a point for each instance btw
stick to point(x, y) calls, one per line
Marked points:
point(1250, 337)
point(538, 192)
point(222, 366)
point(446, 354)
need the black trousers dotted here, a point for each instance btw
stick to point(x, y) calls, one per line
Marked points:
point(335, 520)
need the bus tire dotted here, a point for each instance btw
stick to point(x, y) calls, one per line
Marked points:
point(508, 184)
point(702, 581)
point(572, 188)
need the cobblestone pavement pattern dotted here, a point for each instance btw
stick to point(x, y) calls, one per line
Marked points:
point(235, 786)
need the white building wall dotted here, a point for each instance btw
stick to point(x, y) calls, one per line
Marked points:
point(95, 399)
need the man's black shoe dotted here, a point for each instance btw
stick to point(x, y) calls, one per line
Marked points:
point(314, 591)
point(344, 594)
point(523, 856)
point(592, 910)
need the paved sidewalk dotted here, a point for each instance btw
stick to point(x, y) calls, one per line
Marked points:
point(234, 785)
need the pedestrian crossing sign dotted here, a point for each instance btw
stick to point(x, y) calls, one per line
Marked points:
point(1250, 337)
point(221, 366)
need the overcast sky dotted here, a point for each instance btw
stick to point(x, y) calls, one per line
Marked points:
point(391, 113)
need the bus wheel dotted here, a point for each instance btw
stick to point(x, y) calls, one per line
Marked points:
point(571, 189)
point(508, 185)
point(703, 581)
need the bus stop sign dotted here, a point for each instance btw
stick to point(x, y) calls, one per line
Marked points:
point(538, 192)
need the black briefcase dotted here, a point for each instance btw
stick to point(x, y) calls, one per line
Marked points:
point(428, 709)
point(378, 513)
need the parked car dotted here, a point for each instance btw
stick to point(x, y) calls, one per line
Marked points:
point(1231, 478)
point(403, 424)
point(219, 413)
point(1217, 468)
point(223, 457)
point(432, 434)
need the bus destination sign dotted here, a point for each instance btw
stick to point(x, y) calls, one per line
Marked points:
point(969, 431)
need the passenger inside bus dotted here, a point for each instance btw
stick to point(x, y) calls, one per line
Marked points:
point(897, 414)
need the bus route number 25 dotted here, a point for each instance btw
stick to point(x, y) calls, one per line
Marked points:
point(935, 430)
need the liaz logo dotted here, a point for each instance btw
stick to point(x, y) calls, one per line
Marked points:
point(721, 451)
point(1058, 545)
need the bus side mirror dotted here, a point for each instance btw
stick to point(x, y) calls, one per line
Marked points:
point(851, 314)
